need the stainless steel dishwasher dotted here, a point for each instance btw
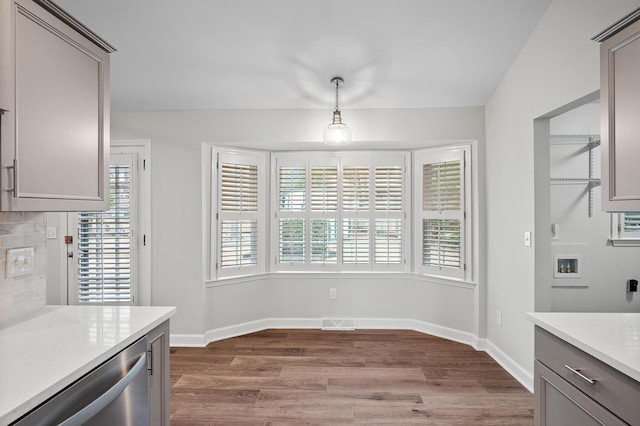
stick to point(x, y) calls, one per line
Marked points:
point(115, 393)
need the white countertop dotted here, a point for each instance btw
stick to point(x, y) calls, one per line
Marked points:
point(613, 338)
point(57, 345)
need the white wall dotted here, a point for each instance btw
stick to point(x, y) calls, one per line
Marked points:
point(177, 225)
point(598, 288)
point(558, 64)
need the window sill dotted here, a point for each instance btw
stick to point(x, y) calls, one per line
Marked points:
point(341, 275)
point(626, 242)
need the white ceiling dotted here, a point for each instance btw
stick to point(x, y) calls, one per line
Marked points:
point(197, 54)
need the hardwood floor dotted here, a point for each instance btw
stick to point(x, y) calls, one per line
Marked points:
point(315, 377)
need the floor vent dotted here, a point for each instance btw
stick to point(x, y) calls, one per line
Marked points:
point(338, 324)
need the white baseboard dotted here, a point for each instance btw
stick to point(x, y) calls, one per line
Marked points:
point(315, 323)
point(200, 340)
point(190, 340)
point(520, 374)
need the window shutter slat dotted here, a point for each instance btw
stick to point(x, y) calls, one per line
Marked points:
point(388, 241)
point(388, 188)
point(239, 187)
point(441, 243)
point(355, 188)
point(631, 222)
point(238, 243)
point(291, 244)
point(355, 241)
point(292, 187)
point(324, 188)
point(441, 190)
point(324, 241)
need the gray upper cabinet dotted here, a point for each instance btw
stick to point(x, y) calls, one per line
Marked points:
point(620, 103)
point(54, 99)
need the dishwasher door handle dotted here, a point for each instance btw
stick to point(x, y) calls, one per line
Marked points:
point(111, 394)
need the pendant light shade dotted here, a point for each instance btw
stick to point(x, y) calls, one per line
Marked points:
point(337, 132)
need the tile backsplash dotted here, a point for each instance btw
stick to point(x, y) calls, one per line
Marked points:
point(24, 294)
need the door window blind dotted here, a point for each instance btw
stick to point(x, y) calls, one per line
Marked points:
point(104, 245)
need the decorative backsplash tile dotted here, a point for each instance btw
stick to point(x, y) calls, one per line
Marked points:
point(24, 294)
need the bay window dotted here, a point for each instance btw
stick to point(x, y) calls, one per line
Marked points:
point(341, 212)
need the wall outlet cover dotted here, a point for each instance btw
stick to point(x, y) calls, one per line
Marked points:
point(19, 262)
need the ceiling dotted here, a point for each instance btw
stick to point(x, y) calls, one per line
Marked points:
point(202, 54)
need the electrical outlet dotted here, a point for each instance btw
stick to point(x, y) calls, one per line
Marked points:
point(333, 294)
point(499, 318)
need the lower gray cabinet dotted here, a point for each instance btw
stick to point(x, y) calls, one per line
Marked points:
point(159, 386)
point(574, 388)
point(560, 404)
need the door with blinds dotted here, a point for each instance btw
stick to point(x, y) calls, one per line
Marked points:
point(103, 248)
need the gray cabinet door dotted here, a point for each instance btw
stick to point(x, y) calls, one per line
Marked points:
point(159, 387)
point(55, 136)
point(5, 59)
point(620, 127)
point(558, 403)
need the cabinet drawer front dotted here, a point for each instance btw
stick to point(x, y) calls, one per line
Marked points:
point(610, 388)
point(559, 403)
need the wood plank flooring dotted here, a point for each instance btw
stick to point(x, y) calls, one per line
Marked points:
point(315, 377)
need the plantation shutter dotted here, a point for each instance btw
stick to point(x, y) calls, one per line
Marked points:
point(324, 188)
point(631, 222)
point(238, 194)
point(442, 207)
point(292, 204)
point(340, 212)
point(239, 183)
point(323, 215)
point(105, 240)
point(355, 188)
point(388, 195)
point(356, 184)
point(388, 188)
point(238, 214)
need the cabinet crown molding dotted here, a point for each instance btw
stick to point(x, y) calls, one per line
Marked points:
point(618, 26)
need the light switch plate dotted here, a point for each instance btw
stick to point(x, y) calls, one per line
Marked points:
point(19, 262)
point(52, 232)
point(527, 239)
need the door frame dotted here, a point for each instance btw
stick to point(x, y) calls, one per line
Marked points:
point(143, 146)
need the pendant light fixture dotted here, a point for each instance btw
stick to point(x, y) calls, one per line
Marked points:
point(337, 133)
